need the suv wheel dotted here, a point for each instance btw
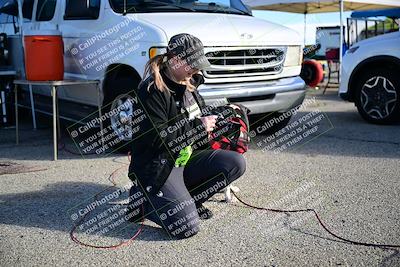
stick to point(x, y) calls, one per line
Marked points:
point(378, 96)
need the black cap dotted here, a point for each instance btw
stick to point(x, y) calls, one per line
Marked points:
point(189, 48)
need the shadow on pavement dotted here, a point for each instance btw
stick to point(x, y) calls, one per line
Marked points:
point(50, 209)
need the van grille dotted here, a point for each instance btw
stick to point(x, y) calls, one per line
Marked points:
point(234, 62)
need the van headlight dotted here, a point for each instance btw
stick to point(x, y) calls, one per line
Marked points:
point(294, 56)
point(154, 51)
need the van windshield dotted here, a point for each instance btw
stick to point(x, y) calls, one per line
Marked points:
point(209, 6)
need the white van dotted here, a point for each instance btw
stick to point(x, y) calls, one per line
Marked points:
point(254, 62)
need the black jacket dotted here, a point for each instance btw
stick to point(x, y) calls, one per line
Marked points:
point(164, 131)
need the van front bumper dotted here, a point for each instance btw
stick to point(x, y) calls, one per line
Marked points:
point(260, 97)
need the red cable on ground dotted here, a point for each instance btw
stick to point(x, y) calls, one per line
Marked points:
point(124, 243)
point(320, 222)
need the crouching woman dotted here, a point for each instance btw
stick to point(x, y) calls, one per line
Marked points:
point(175, 168)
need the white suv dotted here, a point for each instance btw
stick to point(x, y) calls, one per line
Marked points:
point(371, 78)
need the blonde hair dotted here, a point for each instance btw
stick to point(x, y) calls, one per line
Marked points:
point(153, 67)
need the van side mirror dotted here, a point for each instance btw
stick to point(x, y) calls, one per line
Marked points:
point(79, 9)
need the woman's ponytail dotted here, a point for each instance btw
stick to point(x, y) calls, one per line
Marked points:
point(153, 67)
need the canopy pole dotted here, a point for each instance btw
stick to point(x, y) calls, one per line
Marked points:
point(305, 28)
point(341, 39)
point(20, 15)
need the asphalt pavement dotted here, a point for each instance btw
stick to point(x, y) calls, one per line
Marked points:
point(329, 159)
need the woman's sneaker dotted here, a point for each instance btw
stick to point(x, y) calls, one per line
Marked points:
point(204, 213)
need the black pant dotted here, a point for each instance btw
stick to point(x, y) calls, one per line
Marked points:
point(206, 173)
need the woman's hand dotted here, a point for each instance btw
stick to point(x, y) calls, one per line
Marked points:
point(209, 122)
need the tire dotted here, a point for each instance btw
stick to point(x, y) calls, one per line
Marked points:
point(267, 123)
point(119, 94)
point(377, 96)
point(312, 72)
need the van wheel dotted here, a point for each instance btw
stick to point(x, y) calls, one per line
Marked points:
point(119, 105)
point(378, 96)
point(266, 124)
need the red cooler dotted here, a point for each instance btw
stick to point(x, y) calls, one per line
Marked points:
point(44, 55)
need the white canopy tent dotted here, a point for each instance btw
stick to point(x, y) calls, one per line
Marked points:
point(321, 6)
